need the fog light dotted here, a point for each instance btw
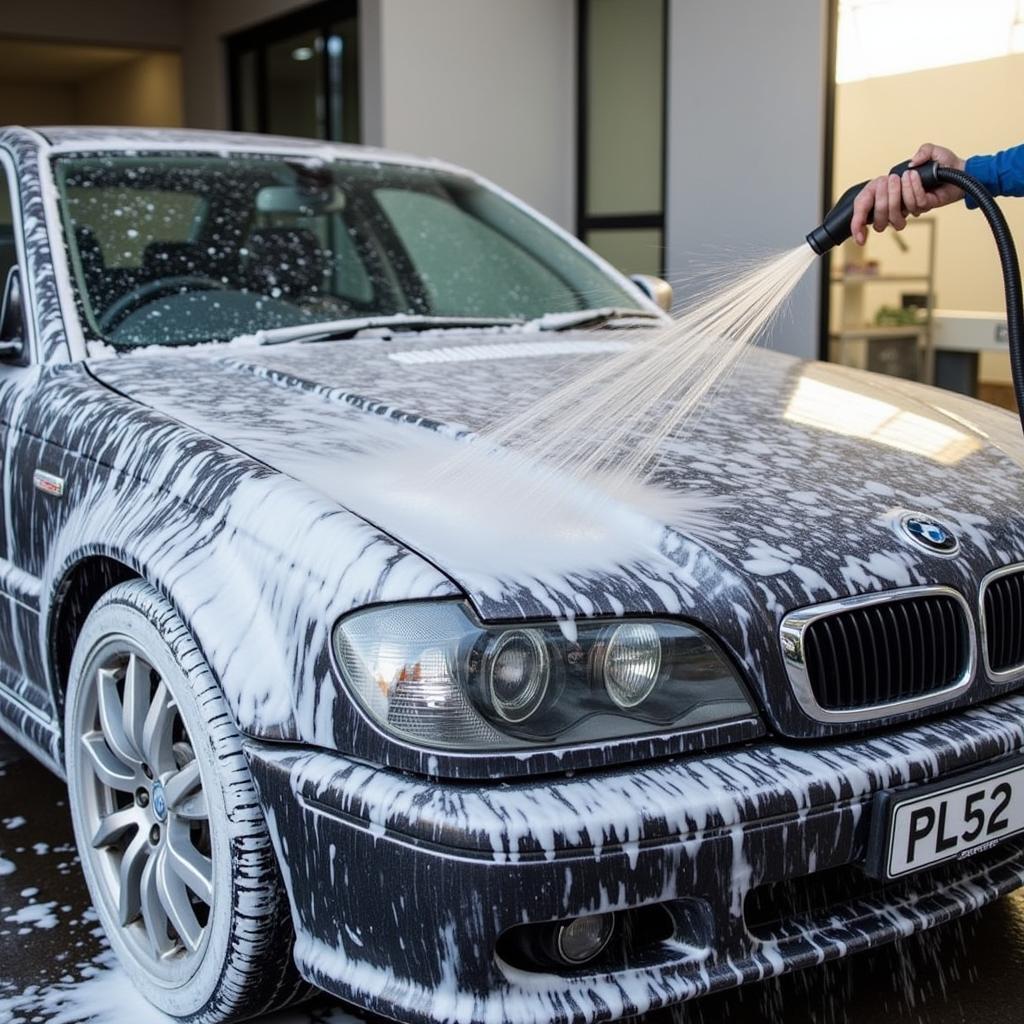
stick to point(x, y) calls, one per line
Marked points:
point(582, 939)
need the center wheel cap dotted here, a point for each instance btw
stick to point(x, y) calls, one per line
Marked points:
point(159, 801)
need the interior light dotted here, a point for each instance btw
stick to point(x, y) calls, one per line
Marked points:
point(302, 53)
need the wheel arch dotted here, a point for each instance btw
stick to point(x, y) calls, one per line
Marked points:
point(80, 586)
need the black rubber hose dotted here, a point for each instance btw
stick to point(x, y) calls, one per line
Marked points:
point(1011, 271)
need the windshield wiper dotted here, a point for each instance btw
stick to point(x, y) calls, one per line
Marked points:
point(338, 330)
point(591, 318)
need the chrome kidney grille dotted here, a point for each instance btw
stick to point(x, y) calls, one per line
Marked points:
point(1002, 622)
point(879, 654)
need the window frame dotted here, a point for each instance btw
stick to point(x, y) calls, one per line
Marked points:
point(28, 288)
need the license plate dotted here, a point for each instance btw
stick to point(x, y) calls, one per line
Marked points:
point(946, 820)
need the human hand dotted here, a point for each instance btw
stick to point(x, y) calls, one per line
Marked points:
point(888, 199)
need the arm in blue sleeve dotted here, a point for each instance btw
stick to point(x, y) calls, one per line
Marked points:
point(1002, 173)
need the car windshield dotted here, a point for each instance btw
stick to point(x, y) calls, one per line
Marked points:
point(175, 250)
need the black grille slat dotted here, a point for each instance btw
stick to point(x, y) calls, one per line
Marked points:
point(885, 657)
point(1005, 597)
point(1004, 621)
point(848, 659)
point(880, 653)
point(1014, 653)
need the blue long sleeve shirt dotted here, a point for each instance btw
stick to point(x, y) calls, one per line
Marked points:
point(1001, 173)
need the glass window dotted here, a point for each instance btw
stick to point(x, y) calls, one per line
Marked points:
point(299, 74)
point(179, 249)
point(635, 250)
point(8, 251)
point(625, 106)
point(246, 87)
point(621, 148)
point(465, 264)
point(295, 78)
point(122, 223)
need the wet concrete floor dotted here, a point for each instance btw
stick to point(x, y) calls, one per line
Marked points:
point(54, 965)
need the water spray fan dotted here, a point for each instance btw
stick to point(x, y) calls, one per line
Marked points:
point(836, 229)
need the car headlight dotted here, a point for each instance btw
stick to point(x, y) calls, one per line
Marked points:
point(431, 673)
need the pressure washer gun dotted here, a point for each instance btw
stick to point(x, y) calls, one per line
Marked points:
point(836, 229)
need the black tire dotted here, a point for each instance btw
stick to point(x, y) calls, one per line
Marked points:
point(241, 964)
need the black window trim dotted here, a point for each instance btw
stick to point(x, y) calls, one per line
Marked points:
point(827, 170)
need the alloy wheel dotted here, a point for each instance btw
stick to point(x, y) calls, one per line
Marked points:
point(145, 812)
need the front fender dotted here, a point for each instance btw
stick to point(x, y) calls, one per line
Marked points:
point(259, 570)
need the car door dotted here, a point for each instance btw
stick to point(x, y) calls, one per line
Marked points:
point(22, 677)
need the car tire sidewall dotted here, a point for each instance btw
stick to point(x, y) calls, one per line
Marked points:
point(148, 621)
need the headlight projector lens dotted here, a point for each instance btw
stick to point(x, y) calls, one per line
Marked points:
point(632, 662)
point(581, 940)
point(517, 674)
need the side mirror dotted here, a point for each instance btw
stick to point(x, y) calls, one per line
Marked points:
point(656, 289)
point(13, 333)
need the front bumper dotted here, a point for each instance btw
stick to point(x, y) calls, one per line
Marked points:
point(400, 887)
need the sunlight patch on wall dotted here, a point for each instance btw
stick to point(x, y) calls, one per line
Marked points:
point(893, 37)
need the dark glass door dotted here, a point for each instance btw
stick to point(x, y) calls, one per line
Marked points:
point(299, 74)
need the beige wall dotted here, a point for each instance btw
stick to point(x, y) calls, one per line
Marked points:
point(36, 104)
point(971, 108)
point(143, 91)
point(146, 91)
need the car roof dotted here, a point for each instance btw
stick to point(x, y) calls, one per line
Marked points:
point(99, 138)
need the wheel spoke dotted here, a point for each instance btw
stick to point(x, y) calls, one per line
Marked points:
point(175, 902)
point(157, 735)
point(132, 864)
point(184, 860)
point(112, 718)
point(153, 915)
point(108, 768)
point(182, 785)
point(136, 701)
point(114, 825)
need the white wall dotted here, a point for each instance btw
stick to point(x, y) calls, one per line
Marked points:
point(485, 83)
point(746, 122)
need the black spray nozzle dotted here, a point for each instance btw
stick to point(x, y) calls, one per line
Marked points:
point(835, 228)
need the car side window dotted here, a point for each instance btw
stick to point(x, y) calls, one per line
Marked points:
point(13, 322)
point(8, 249)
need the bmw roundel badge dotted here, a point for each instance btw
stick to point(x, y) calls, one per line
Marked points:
point(929, 534)
point(159, 801)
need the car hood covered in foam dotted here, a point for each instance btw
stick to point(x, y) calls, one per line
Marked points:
point(785, 491)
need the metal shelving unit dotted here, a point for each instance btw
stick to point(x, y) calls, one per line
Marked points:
point(854, 328)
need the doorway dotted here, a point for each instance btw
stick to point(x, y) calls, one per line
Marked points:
point(299, 74)
point(66, 83)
